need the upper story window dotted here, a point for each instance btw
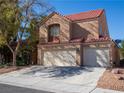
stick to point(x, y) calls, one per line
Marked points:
point(53, 33)
point(100, 31)
point(54, 30)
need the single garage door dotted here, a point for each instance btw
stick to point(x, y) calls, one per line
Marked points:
point(60, 58)
point(98, 57)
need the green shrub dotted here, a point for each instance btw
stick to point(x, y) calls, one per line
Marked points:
point(21, 61)
point(5, 64)
point(1, 65)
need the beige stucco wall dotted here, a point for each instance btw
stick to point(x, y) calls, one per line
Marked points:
point(115, 54)
point(86, 29)
point(103, 23)
point(64, 28)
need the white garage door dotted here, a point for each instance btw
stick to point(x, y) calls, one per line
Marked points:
point(96, 57)
point(60, 58)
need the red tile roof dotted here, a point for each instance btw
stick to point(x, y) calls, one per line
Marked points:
point(77, 40)
point(104, 38)
point(84, 15)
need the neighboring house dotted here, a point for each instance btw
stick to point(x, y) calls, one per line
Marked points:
point(76, 40)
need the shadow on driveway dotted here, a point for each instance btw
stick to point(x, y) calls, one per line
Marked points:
point(58, 71)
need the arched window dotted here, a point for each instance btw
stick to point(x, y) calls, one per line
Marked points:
point(53, 33)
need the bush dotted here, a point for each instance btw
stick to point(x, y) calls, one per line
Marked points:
point(122, 63)
point(1, 65)
point(6, 64)
point(22, 61)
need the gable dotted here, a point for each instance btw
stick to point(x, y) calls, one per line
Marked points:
point(54, 17)
point(103, 27)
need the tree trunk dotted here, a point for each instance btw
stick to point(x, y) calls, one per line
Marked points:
point(14, 52)
point(14, 59)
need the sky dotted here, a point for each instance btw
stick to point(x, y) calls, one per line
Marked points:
point(114, 12)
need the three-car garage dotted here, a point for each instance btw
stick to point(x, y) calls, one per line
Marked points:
point(90, 56)
point(97, 55)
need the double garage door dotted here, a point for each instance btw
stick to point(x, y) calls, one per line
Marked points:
point(96, 57)
point(60, 58)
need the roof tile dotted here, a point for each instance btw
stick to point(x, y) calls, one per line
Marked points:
point(84, 15)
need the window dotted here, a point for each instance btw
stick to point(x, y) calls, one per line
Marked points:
point(100, 31)
point(54, 32)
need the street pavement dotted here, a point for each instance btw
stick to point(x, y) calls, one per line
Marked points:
point(4, 88)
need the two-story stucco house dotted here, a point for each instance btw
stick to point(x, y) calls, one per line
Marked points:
point(80, 39)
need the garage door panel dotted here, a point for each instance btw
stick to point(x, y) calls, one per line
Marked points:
point(89, 58)
point(96, 57)
point(103, 57)
point(60, 58)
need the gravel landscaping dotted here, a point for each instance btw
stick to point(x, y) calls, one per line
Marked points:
point(112, 79)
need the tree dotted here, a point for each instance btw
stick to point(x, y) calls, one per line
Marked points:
point(5, 55)
point(18, 20)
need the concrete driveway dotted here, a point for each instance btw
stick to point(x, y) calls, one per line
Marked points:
point(55, 79)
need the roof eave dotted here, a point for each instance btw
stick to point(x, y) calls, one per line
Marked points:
point(50, 15)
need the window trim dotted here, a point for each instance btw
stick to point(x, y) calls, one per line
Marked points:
point(49, 36)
